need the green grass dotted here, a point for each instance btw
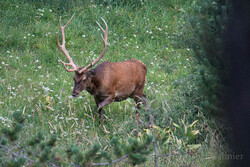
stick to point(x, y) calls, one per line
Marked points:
point(34, 82)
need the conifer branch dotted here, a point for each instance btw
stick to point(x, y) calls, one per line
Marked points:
point(114, 161)
point(16, 154)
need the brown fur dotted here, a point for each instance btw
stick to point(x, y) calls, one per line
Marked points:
point(112, 82)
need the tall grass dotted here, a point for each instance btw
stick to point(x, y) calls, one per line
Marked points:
point(34, 82)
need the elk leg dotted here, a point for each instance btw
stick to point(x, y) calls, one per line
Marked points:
point(100, 110)
point(144, 100)
point(138, 107)
point(137, 102)
point(100, 114)
point(105, 102)
point(139, 99)
point(100, 105)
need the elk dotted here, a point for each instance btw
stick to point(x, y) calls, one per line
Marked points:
point(109, 81)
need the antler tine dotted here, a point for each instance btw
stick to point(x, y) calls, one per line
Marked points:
point(105, 39)
point(69, 21)
point(65, 66)
point(62, 47)
point(104, 32)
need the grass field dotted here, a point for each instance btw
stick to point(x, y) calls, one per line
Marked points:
point(34, 82)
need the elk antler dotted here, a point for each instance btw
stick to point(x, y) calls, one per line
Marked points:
point(105, 43)
point(62, 47)
point(71, 63)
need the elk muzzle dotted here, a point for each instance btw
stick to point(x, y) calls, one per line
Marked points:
point(76, 91)
point(74, 94)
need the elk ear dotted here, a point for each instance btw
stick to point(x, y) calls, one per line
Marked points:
point(91, 73)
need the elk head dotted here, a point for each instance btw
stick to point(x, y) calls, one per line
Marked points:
point(83, 75)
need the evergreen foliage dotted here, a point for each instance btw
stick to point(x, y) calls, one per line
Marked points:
point(37, 150)
point(208, 26)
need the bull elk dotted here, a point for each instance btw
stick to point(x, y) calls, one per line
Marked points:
point(109, 81)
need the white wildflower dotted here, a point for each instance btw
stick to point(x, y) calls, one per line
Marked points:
point(41, 10)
